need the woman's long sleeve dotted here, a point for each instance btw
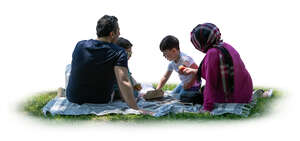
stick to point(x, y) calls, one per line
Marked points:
point(211, 72)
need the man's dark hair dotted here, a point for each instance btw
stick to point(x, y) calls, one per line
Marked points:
point(124, 43)
point(106, 24)
point(168, 43)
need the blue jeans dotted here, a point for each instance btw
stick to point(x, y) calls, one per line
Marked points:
point(178, 91)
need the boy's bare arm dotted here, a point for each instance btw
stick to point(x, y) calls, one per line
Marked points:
point(125, 86)
point(194, 78)
point(164, 79)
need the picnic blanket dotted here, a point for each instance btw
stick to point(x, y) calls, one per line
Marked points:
point(166, 105)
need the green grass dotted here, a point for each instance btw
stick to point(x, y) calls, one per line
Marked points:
point(33, 107)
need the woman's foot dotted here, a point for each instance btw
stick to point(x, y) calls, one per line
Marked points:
point(264, 94)
point(267, 93)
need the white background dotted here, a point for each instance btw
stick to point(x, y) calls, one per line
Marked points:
point(38, 37)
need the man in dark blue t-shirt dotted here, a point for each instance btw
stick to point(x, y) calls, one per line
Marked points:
point(95, 66)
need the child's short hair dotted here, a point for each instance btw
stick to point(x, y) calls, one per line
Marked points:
point(124, 43)
point(168, 43)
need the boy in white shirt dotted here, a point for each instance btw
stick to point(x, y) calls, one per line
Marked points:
point(171, 51)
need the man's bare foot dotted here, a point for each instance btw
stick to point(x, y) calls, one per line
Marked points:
point(61, 92)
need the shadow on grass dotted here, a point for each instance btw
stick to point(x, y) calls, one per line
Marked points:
point(33, 107)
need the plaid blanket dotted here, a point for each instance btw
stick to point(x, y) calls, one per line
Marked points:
point(164, 106)
point(161, 107)
point(236, 108)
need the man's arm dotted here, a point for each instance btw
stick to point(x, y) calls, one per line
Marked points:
point(125, 86)
point(164, 79)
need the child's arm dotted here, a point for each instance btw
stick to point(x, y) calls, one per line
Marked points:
point(194, 78)
point(164, 79)
point(133, 81)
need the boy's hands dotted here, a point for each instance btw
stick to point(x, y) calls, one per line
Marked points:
point(181, 68)
point(193, 69)
point(186, 71)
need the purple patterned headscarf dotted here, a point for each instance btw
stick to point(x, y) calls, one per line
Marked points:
point(206, 36)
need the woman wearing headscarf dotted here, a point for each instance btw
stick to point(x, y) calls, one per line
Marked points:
point(227, 79)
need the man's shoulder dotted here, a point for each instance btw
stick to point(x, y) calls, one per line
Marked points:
point(94, 43)
point(84, 42)
point(116, 47)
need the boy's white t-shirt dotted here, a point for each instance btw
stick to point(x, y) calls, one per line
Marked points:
point(184, 60)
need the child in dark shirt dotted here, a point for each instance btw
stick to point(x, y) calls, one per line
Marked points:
point(124, 43)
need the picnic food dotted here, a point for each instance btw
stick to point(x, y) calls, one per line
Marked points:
point(137, 87)
point(181, 68)
point(153, 94)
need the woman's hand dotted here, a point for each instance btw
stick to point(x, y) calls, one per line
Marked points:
point(188, 71)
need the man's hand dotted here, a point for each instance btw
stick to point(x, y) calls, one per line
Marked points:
point(145, 112)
